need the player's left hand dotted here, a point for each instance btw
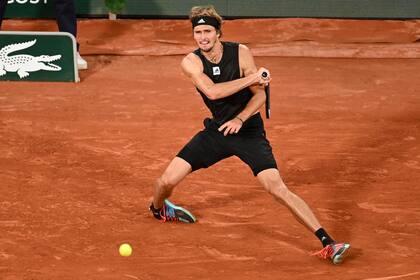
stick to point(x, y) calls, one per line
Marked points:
point(231, 127)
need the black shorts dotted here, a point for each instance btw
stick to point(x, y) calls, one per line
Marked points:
point(210, 146)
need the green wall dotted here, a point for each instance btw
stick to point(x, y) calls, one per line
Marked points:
point(399, 9)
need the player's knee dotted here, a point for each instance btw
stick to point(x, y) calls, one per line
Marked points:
point(279, 190)
point(166, 183)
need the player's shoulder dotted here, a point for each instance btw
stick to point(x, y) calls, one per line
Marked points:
point(190, 59)
point(191, 62)
point(246, 59)
point(244, 49)
point(191, 56)
point(244, 53)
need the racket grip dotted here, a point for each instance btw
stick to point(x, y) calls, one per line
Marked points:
point(267, 101)
point(267, 97)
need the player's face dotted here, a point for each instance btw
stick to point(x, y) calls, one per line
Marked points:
point(206, 37)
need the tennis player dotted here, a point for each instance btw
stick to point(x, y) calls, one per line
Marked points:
point(232, 88)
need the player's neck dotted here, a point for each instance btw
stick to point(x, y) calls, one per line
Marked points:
point(215, 54)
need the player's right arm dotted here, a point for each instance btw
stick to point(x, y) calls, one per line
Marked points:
point(193, 68)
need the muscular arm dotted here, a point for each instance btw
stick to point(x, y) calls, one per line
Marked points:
point(247, 65)
point(193, 68)
point(248, 68)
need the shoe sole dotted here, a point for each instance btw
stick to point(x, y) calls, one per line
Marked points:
point(184, 211)
point(342, 253)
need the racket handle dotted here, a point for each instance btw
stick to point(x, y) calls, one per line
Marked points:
point(267, 97)
point(267, 101)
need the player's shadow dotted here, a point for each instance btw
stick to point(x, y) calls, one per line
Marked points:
point(97, 64)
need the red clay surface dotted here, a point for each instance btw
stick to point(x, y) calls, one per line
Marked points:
point(78, 162)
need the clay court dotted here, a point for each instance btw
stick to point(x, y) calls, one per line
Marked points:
point(78, 160)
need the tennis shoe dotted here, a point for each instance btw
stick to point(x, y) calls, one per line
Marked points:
point(172, 213)
point(335, 251)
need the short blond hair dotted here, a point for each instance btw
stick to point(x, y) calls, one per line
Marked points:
point(208, 10)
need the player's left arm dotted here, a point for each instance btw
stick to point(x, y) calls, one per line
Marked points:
point(248, 67)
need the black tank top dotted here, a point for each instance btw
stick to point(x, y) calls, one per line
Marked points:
point(227, 69)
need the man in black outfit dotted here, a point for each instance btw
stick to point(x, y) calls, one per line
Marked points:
point(227, 79)
point(65, 13)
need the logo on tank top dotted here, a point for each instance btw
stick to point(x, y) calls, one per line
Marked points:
point(216, 71)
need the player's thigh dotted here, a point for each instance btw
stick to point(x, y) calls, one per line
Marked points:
point(205, 149)
point(270, 178)
point(177, 170)
point(256, 152)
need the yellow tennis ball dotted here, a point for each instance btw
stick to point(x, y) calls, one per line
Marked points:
point(125, 250)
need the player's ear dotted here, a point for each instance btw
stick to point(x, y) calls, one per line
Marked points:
point(219, 33)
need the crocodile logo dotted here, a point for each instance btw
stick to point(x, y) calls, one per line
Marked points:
point(24, 63)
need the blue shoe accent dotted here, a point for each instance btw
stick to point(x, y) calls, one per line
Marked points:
point(172, 212)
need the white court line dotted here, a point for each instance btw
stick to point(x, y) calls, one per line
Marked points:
point(393, 277)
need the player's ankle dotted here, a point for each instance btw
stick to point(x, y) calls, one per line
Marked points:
point(155, 211)
point(324, 237)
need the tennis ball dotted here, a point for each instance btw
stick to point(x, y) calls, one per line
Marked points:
point(125, 250)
